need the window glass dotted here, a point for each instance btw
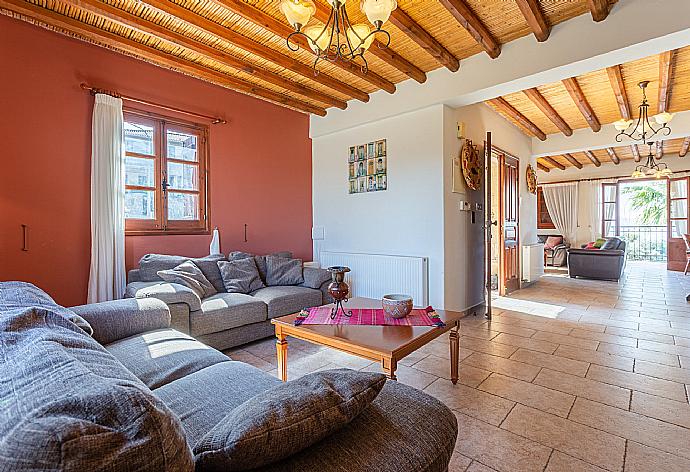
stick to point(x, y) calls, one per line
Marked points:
point(140, 204)
point(679, 228)
point(183, 206)
point(140, 172)
point(679, 208)
point(139, 139)
point(182, 146)
point(679, 188)
point(183, 176)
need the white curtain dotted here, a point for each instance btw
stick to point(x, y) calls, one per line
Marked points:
point(562, 202)
point(107, 274)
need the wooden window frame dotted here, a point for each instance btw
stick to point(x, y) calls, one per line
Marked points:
point(669, 204)
point(161, 224)
point(616, 215)
point(544, 220)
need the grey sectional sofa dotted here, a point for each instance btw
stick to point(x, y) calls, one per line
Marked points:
point(225, 320)
point(607, 263)
point(110, 386)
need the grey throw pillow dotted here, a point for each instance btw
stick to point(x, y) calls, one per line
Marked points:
point(261, 262)
point(241, 275)
point(150, 264)
point(286, 419)
point(189, 275)
point(282, 271)
point(611, 243)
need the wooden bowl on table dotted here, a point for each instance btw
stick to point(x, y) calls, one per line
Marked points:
point(397, 305)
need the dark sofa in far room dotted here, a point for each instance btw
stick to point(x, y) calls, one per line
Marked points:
point(605, 263)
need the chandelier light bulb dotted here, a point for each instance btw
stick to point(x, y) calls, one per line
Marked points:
point(319, 39)
point(666, 172)
point(663, 118)
point(298, 12)
point(638, 174)
point(356, 36)
point(378, 11)
point(622, 125)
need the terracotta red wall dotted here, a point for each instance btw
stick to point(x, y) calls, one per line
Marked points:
point(260, 161)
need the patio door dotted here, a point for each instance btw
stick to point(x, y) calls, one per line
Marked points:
point(508, 221)
point(678, 214)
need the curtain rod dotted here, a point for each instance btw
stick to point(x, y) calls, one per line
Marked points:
point(94, 90)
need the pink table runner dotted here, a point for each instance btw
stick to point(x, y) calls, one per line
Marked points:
point(321, 315)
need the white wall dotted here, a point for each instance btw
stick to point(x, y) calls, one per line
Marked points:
point(405, 219)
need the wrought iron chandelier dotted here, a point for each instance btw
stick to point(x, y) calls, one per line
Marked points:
point(652, 168)
point(339, 38)
point(644, 130)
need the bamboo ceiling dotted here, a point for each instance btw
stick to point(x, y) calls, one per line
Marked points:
point(610, 95)
point(240, 44)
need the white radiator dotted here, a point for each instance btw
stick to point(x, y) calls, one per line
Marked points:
point(375, 275)
point(532, 262)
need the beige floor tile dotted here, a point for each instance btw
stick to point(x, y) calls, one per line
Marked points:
point(595, 357)
point(459, 463)
point(562, 364)
point(560, 462)
point(487, 347)
point(667, 348)
point(680, 341)
point(634, 333)
point(527, 343)
point(246, 356)
point(518, 370)
point(510, 329)
point(633, 426)
point(413, 358)
point(470, 401)
point(684, 362)
point(642, 383)
point(544, 325)
point(567, 340)
point(663, 409)
point(587, 388)
point(580, 441)
point(479, 467)
point(604, 337)
point(437, 366)
point(609, 322)
point(640, 458)
point(440, 348)
point(536, 396)
point(641, 354)
point(499, 449)
point(480, 332)
point(652, 369)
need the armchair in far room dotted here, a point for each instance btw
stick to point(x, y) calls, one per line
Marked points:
point(555, 250)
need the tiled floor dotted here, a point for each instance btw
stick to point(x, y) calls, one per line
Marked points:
point(570, 375)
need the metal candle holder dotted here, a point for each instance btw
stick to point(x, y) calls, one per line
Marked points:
point(339, 290)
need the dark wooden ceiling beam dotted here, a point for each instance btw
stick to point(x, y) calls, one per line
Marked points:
point(256, 48)
point(582, 104)
point(684, 147)
point(546, 108)
point(535, 18)
point(471, 22)
point(419, 35)
point(593, 159)
point(541, 166)
point(378, 49)
point(572, 160)
point(599, 9)
point(501, 104)
point(659, 149)
point(613, 156)
point(135, 22)
point(616, 79)
point(281, 29)
point(665, 71)
point(635, 152)
point(553, 162)
point(152, 54)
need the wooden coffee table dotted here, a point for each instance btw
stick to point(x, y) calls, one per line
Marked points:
point(384, 344)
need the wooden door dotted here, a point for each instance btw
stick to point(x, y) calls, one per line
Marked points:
point(677, 226)
point(508, 220)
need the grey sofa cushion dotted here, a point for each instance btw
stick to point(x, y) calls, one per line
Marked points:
point(287, 300)
point(119, 319)
point(315, 277)
point(283, 271)
point(240, 275)
point(403, 430)
point(165, 292)
point(150, 264)
point(225, 311)
point(201, 400)
point(286, 419)
point(67, 404)
point(611, 243)
point(261, 262)
point(163, 356)
point(189, 275)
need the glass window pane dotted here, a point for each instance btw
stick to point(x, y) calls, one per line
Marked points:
point(609, 228)
point(139, 171)
point(679, 228)
point(183, 206)
point(609, 193)
point(679, 208)
point(139, 139)
point(140, 204)
point(183, 176)
point(679, 188)
point(609, 211)
point(182, 146)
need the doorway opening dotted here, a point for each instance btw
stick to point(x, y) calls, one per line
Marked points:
point(643, 211)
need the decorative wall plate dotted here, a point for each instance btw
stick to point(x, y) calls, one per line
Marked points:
point(531, 179)
point(471, 165)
